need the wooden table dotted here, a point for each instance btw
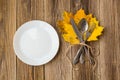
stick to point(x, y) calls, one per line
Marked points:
point(13, 13)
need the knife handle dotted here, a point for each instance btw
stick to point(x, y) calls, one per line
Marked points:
point(77, 56)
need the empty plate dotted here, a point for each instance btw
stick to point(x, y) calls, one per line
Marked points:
point(36, 42)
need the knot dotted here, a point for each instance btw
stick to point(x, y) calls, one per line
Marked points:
point(89, 53)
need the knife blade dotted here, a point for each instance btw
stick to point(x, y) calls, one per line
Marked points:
point(75, 28)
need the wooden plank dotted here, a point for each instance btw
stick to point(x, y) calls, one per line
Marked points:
point(94, 8)
point(78, 70)
point(81, 71)
point(60, 67)
point(109, 44)
point(37, 12)
point(24, 71)
point(7, 30)
point(29, 10)
point(117, 36)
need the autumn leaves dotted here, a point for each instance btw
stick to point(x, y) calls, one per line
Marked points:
point(67, 31)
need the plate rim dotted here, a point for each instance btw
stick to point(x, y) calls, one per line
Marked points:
point(53, 54)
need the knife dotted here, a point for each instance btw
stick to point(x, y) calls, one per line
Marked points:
point(79, 52)
point(75, 28)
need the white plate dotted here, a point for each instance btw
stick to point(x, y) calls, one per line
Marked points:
point(36, 42)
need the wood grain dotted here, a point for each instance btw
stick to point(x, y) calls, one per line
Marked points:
point(23, 14)
point(37, 12)
point(108, 44)
point(7, 30)
point(29, 10)
point(14, 13)
point(60, 67)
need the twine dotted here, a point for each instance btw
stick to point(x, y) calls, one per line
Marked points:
point(90, 52)
point(90, 55)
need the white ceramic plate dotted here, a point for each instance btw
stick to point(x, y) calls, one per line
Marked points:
point(36, 42)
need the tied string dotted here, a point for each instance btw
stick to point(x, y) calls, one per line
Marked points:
point(90, 54)
point(90, 51)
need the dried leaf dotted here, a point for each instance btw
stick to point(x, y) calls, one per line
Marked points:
point(67, 31)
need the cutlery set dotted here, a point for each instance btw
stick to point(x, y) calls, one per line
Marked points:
point(80, 30)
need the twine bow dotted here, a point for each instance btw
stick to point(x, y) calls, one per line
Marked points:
point(90, 52)
point(90, 55)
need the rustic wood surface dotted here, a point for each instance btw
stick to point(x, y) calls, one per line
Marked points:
point(13, 13)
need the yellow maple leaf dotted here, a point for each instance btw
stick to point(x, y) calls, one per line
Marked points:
point(79, 15)
point(97, 31)
point(67, 31)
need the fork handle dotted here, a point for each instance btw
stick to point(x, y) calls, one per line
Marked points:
point(79, 52)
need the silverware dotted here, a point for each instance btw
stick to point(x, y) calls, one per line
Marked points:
point(79, 32)
point(75, 28)
point(83, 27)
point(88, 33)
point(82, 56)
